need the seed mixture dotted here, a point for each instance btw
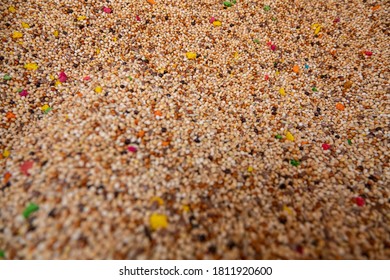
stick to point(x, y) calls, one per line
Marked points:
point(165, 129)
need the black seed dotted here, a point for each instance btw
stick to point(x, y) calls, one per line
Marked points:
point(231, 244)
point(282, 220)
point(202, 237)
point(212, 249)
point(52, 213)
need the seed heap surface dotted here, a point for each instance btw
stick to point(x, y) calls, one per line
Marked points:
point(203, 129)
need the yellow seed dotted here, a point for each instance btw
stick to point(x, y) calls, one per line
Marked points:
point(56, 33)
point(186, 208)
point(17, 35)
point(98, 89)
point(31, 66)
point(191, 55)
point(6, 153)
point(287, 209)
point(289, 136)
point(217, 23)
point(12, 9)
point(282, 91)
point(25, 25)
point(158, 221)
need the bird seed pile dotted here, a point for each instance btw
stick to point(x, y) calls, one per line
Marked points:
point(166, 129)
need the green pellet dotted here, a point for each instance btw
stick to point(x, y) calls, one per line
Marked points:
point(227, 4)
point(294, 162)
point(31, 208)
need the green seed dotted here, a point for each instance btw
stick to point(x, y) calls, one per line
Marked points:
point(295, 162)
point(31, 208)
point(130, 78)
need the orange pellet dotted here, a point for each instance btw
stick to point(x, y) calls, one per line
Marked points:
point(136, 121)
point(141, 134)
point(10, 115)
point(158, 113)
point(152, 2)
point(376, 7)
point(7, 176)
point(340, 107)
point(165, 143)
point(296, 69)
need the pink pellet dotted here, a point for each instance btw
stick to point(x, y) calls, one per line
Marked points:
point(325, 146)
point(23, 93)
point(360, 201)
point(62, 77)
point(273, 47)
point(138, 18)
point(107, 10)
point(368, 53)
point(132, 149)
point(212, 19)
